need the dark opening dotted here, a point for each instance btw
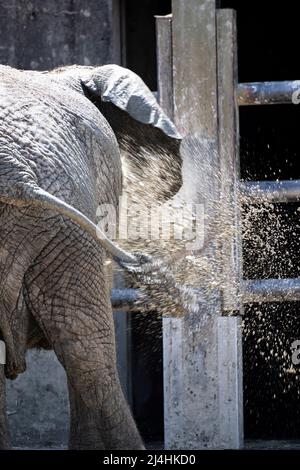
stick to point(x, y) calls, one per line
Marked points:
point(267, 44)
point(140, 50)
point(146, 333)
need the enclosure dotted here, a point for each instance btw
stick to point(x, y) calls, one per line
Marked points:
point(228, 79)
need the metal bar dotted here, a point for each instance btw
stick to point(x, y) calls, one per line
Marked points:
point(261, 290)
point(262, 93)
point(165, 63)
point(230, 376)
point(124, 299)
point(192, 411)
point(229, 157)
point(229, 341)
point(270, 191)
point(271, 290)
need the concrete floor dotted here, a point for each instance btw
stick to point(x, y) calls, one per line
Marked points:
point(281, 444)
point(258, 444)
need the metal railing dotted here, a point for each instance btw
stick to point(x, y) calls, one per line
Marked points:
point(265, 93)
point(253, 291)
point(268, 93)
point(271, 191)
point(263, 290)
point(124, 299)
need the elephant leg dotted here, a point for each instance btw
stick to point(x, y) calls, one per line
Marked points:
point(83, 429)
point(4, 430)
point(67, 293)
point(102, 418)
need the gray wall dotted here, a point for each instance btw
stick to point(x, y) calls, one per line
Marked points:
point(37, 404)
point(43, 34)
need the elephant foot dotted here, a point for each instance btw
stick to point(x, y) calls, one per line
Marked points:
point(84, 434)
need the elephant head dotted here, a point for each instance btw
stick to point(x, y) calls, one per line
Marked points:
point(149, 143)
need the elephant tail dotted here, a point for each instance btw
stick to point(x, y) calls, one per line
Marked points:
point(35, 195)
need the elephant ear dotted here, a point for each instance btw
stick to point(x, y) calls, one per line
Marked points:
point(148, 140)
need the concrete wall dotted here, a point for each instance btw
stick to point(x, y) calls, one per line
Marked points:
point(38, 409)
point(42, 34)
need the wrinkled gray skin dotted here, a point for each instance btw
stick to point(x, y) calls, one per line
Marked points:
point(61, 133)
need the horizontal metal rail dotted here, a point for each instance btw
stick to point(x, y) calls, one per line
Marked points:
point(262, 93)
point(271, 191)
point(253, 291)
point(124, 299)
point(271, 290)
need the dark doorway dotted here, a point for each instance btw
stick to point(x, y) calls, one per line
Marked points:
point(140, 49)
point(267, 44)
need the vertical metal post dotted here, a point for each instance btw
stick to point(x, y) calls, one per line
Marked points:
point(171, 331)
point(165, 63)
point(202, 358)
point(229, 159)
point(116, 31)
point(230, 333)
point(191, 343)
point(122, 320)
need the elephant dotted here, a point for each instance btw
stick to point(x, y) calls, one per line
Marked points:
point(65, 136)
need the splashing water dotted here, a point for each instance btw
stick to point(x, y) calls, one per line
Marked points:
point(179, 279)
point(271, 246)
